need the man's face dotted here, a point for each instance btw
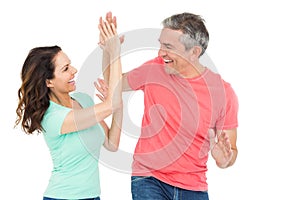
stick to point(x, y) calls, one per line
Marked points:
point(173, 52)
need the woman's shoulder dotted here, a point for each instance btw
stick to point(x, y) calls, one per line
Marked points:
point(80, 95)
point(83, 98)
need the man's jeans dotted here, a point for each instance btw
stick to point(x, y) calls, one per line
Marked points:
point(47, 198)
point(150, 188)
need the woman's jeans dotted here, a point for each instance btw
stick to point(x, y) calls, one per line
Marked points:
point(150, 188)
point(47, 198)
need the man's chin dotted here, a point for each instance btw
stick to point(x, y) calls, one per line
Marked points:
point(170, 70)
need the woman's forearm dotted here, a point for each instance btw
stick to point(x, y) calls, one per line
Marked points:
point(115, 82)
point(106, 66)
point(80, 119)
point(113, 136)
point(112, 72)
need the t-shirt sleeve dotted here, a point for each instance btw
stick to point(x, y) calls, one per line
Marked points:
point(229, 117)
point(137, 78)
point(53, 121)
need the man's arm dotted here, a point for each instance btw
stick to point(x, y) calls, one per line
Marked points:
point(125, 84)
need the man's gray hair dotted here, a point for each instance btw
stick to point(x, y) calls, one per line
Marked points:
point(192, 27)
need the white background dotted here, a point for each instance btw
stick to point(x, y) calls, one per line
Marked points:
point(254, 45)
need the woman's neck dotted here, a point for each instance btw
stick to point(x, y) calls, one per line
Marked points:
point(64, 100)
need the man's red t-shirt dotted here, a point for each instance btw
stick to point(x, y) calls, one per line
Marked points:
point(174, 142)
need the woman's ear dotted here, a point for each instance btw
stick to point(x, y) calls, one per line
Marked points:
point(49, 83)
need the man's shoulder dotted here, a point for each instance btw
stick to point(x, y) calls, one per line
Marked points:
point(156, 60)
point(215, 81)
point(151, 66)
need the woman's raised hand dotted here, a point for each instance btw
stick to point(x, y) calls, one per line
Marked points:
point(110, 24)
point(109, 40)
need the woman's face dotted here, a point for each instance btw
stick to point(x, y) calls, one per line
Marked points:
point(64, 74)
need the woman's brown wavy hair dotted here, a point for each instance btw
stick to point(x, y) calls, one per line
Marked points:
point(34, 94)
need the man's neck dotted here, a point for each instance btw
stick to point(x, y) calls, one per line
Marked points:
point(194, 71)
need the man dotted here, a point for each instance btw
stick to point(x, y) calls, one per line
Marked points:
point(189, 111)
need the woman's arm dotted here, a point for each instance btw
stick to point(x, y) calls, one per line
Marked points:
point(105, 58)
point(112, 65)
point(113, 133)
point(79, 119)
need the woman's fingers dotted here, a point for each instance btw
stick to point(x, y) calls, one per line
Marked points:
point(113, 27)
point(100, 97)
point(108, 29)
point(111, 19)
point(102, 88)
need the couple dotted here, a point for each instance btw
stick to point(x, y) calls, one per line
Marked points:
point(189, 111)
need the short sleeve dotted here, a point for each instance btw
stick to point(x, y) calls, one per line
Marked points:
point(229, 115)
point(53, 120)
point(137, 78)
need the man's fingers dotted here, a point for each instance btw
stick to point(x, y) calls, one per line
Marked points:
point(212, 138)
point(223, 139)
point(122, 38)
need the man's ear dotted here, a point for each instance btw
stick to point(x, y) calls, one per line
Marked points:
point(196, 52)
point(49, 83)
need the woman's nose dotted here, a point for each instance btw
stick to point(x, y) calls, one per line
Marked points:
point(74, 70)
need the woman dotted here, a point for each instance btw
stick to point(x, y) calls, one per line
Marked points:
point(72, 125)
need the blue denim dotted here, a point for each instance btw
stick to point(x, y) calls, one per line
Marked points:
point(47, 198)
point(150, 188)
